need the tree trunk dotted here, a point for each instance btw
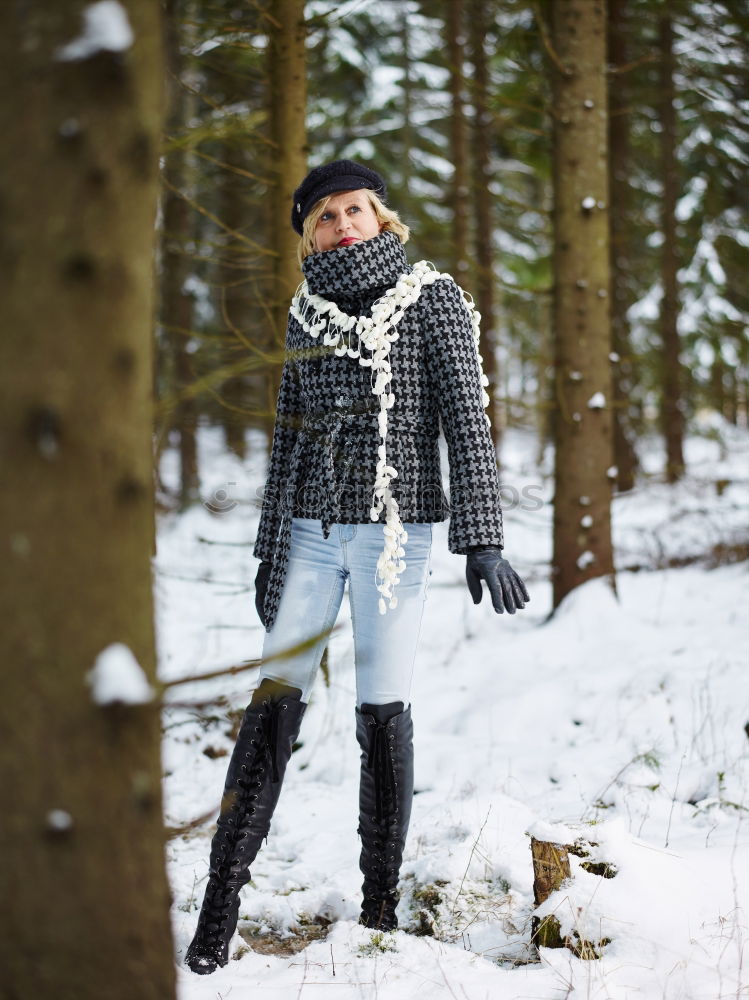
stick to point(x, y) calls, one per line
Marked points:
point(288, 106)
point(176, 301)
point(458, 141)
point(407, 86)
point(82, 836)
point(583, 422)
point(718, 382)
point(235, 299)
point(620, 166)
point(482, 208)
point(730, 387)
point(739, 396)
point(672, 377)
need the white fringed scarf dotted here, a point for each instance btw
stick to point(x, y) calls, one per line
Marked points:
point(369, 338)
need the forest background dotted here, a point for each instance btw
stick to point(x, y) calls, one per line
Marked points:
point(460, 104)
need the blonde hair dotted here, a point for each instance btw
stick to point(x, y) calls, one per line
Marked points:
point(387, 218)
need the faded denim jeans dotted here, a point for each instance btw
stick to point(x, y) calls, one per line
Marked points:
point(384, 645)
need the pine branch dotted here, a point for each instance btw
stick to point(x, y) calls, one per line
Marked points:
point(551, 52)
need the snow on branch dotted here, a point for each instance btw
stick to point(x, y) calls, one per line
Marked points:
point(118, 678)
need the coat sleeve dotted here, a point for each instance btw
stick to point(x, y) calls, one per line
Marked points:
point(454, 375)
point(288, 418)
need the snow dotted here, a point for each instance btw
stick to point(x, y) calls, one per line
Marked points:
point(106, 28)
point(588, 203)
point(69, 129)
point(597, 401)
point(118, 678)
point(59, 820)
point(619, 722)
point(554, 833)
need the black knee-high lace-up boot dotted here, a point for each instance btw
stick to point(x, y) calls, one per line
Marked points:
point(385, 735)
point(269, 728)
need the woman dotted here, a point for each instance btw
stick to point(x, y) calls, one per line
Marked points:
point(378, 353)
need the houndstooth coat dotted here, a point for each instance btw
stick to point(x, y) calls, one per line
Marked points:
point(324, 452)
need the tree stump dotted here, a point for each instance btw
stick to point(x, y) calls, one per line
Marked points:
point(551, 866)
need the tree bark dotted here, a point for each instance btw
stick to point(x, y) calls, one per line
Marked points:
point(551, 866)
point(672, 376)
point(620, 166)
point(717, 384)
point(582, 334)
point(176, 301)
point(458, 140)
point(407, 86)
point(288, 105)
point(82, 837)
point(236, 303)
point(482, 208)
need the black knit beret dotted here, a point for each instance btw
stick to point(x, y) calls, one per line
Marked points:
point(340, 175)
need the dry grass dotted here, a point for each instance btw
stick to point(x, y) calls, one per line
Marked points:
point(302, 934)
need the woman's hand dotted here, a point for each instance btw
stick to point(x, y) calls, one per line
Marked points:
point(485, 562)
point(261, 585)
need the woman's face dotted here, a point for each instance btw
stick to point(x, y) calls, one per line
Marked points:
point(348, 218)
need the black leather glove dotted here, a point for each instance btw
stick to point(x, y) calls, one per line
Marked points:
point(261, 585)
point(485, 562)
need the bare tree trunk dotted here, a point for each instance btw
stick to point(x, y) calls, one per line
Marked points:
point(458, 139)
point(288, 106)
point(583, 421)
point(407, 130)
point(545, 406)
point(482, 208)
point(82, 836)
point(672, 376)
point(625, 457)
point(235, 298)
point(739, 414)
point(730, 408)
point(176, 234)
point(718, 398)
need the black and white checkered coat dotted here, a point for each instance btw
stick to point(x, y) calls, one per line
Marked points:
point(326, 437)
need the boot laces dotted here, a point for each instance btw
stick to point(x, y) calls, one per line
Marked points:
point(264, 755)
point(215, 913)
point(224, 886)
point(379, 874)
point(380, 758)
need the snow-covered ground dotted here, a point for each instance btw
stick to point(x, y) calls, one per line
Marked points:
point(619, 721)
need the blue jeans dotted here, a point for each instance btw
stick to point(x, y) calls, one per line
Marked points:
point(384, 645)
